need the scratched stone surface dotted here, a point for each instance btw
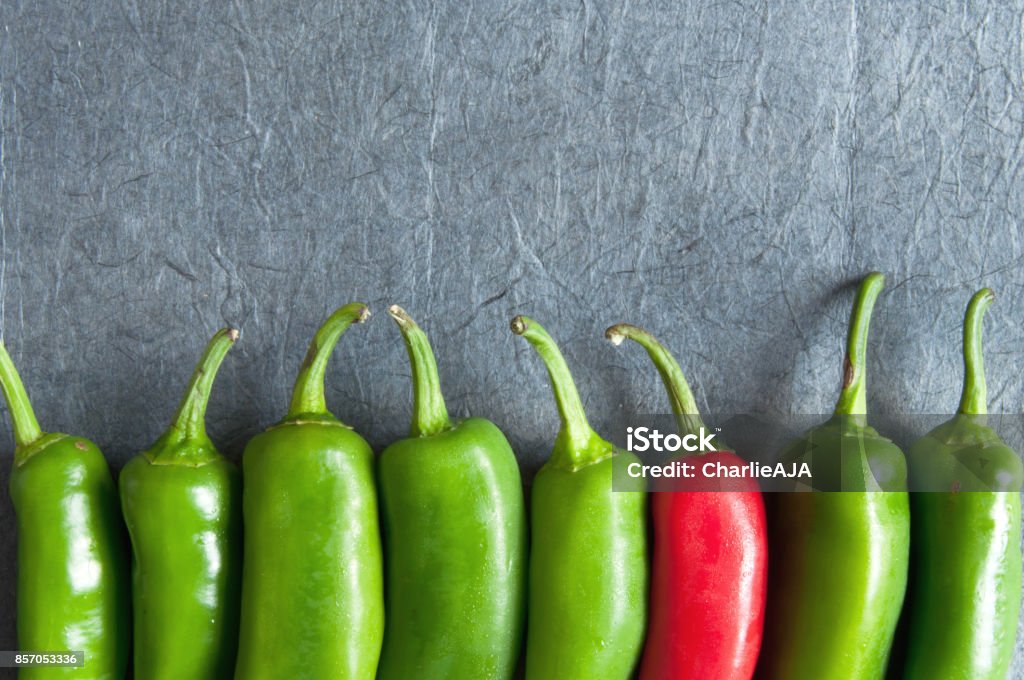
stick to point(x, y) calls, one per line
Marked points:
point(721, 173)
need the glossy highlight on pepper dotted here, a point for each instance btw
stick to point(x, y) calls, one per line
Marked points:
point(838, 566)
point(455, 538)
point(312, 584)
point(710, 554)
point(966, 582)
point(588, 551)
point(182, 504)
point(73, 587)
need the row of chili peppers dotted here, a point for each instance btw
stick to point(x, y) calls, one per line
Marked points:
point(301, 574)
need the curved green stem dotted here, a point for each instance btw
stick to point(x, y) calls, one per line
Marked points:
point(974, 399)
point(684, 406)
point(23, 418)
point(853, 398)
point(308, 393)
point(429, 413)
point(191, 417)
point(576, 430)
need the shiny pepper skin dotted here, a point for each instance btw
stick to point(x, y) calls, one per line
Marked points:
point(710, 555)
point(455, 539)
point(838, 568)
point(588, 550)
point(966, 520)
point(182, 504)
point(312, 581)
point(73, 587)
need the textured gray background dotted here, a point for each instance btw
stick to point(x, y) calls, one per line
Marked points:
point(718, 172)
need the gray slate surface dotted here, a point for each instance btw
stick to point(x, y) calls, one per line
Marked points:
point(717, 172)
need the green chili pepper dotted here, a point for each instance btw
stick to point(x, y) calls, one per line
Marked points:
point(72, 563)
point(588, 559)
point(966, 587)
point(455, 539)
point(838, 566)
point(312, 600)
point(181, 500)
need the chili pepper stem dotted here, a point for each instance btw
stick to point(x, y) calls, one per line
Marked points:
point(974, 399)
point(853, 398)
point(576, 430)
point(684, 406)
point(190, 419)
point(308, 394)
point(429, 413)
point(23, 418)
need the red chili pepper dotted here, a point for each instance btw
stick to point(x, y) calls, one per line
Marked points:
point(709, 569)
